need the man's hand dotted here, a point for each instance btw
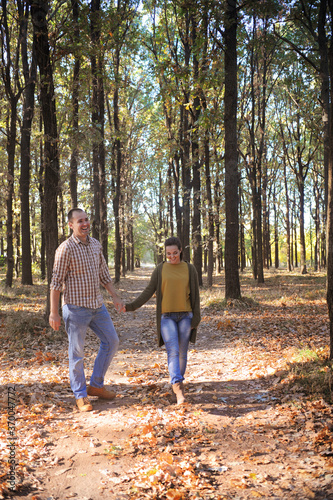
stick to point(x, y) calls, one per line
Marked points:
point(119, 304)
point(55, 321)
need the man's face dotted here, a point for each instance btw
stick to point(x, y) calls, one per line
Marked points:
point(80, 225)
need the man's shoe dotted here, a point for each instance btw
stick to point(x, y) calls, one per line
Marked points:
point(84, 404)
point(101, 393)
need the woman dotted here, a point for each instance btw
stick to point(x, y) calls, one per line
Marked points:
point(177, 309)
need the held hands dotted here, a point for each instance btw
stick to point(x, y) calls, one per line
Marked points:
point(119, 305)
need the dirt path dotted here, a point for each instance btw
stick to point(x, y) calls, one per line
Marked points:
point(241, 435)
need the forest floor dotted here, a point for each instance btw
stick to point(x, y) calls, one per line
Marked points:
point(257, 422)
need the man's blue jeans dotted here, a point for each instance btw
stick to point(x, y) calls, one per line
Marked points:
point(176, 332)
point(77, 320)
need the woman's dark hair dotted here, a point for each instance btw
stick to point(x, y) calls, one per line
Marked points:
point(174, 240)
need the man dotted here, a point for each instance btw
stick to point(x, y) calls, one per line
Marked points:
point(79, 269)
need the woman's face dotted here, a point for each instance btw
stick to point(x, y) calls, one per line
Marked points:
point(172, 254)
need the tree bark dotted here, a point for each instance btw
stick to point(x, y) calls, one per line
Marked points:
point(95, 37)
point(116, 170)
point(9, 73)
point(196, 183)
point(329, 227)
point(232, 284)
point(39, 11)
point(28, 113)
point(75, 104)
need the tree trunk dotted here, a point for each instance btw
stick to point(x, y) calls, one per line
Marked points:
point(316, 192)
point(186, 180)
point(196, 183)
point(210, 250)
point(13, 92)
point(42, 205)
point(28, 113)
point(276, 231)
point(75, 104)
point(101, 161)
point(39, 10)
point(287, 219)
point(329, 227)
point(217, 205)
point(185, 142)
point(232, 284)
point(11, 143)
point(95, 37)
point(301, 227)
point(325, 99)
point(116, 172)
point(241, 233)
point(170, 196)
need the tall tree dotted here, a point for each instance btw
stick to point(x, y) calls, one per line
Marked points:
point(39, 14)
point(100, 230)
point(75, 104)
point(330, 199)
point(13, 89)
point(29, 73)
point(232, 284)
point(196, 163)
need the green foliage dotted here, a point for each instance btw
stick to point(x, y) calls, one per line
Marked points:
point(156, 87)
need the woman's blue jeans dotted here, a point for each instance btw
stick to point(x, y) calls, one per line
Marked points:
point(176, 332)
point(77, 320)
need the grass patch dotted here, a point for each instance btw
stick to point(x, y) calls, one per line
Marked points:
point(22, 324)
point(312, 372)
point(240, 304)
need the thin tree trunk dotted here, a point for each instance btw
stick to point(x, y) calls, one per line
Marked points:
point(241, 233)
point(13, 91)
point(75, 104)
point(302, 229)
point(329, 226)
point(101, 161)
point(185, 142)
point(211, 229)
point(217, 205)
point(42, 204)
point(116, 176)
point(276, 233)
point(28, 113)
point(287, 219)
point(95, 37)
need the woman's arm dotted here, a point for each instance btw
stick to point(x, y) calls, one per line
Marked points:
point(144, 296)
point(195, 297)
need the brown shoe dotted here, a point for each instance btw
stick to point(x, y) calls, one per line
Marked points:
point(84, 404)
point(178, 389)
point(101, 393)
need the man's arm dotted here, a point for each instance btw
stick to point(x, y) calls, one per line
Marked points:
point(54, 318)
point(118, 303)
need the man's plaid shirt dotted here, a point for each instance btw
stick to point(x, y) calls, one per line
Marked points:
point(79, 269)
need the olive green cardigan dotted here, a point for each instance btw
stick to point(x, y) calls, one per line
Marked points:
point(154, 285)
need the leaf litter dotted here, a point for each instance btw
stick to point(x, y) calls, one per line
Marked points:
point(257, 422)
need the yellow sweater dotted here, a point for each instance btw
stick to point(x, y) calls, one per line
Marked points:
point(175, 288)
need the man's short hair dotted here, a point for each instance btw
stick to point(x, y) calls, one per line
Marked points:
point(71, 212)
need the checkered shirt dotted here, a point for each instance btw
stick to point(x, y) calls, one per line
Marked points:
point(78, 271)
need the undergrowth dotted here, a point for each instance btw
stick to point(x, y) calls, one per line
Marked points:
point(312, 371)
point(222, 304)
point(21, 329)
